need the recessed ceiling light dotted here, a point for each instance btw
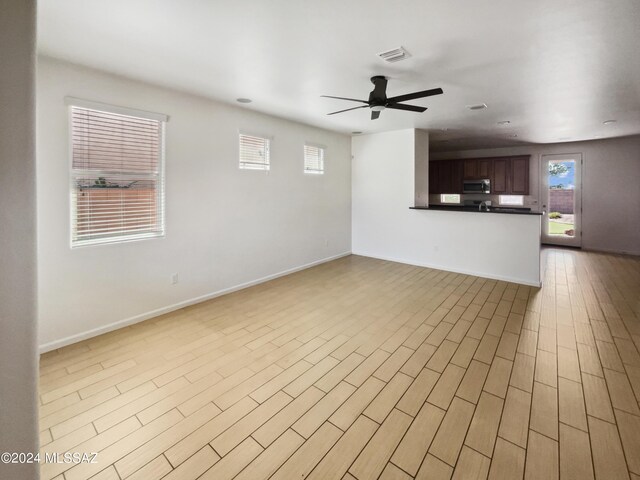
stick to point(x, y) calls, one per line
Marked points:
point(356, 133)
point(504, 122)
point(479, 106)
point(243, 100)
point(514, 135)
point(609, 122)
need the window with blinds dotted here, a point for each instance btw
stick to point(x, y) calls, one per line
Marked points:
point(117, 184)
point(313, 159)
point(254, 152)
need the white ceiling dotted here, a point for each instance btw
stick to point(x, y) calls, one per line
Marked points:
point(556, 69)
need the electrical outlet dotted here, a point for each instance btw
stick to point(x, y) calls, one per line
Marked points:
point(174, 278)
point(326, 242)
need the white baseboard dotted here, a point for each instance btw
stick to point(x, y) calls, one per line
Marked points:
point(605, 250)
point(454, 270)
point(47, 347)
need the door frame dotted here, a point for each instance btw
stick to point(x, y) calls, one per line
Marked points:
point(576, 240)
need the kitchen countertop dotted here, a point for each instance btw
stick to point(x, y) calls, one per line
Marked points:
point(460, 208)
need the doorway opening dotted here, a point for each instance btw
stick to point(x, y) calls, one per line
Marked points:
point(561, 196)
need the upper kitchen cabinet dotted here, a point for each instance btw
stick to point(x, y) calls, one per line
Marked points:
point(500, 179)
point(457, 175)
point(519, 175)
point(477, 168)
point(470, 168)
point(445, 176)
point(508, 175)
point(485, 168)
point(434, 177)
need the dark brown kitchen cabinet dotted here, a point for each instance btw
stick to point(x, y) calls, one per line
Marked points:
point(470, 168)
point(519, 175)
point(508, 175)
point(484, 168)
point(457, 176)
point(500, 179)
point(445, 176)
point(434, 186)
point(477, 168)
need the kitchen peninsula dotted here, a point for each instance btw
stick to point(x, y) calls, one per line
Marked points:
point(495, 244)
point(391, 174)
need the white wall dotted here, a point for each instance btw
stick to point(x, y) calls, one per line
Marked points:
point(497, 246)
point(18, 332)
point(225, 227)
point(610, 187)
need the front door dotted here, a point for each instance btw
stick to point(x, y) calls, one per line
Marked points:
point(561, 198)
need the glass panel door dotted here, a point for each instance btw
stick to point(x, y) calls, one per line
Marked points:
point(561, 199)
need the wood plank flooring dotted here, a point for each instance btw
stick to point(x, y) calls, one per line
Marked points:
point(364, 369)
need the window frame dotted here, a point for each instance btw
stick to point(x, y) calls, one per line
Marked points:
point(511, 204)
point(442, 199)
point(267, 138)
point(73, 173)
point(322, 150)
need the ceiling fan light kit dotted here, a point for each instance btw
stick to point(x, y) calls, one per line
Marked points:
point(378, 100)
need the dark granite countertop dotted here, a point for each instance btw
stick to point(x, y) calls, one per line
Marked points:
point(460, 208)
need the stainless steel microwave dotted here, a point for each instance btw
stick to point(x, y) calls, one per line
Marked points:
point(476, 186)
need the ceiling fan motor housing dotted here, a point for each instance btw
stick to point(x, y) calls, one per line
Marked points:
point(378, 100)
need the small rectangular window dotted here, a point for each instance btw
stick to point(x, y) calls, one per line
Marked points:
point(313, 159)
point(254, 152)
point(450, 198)
point(514, 200)
point(117, 174)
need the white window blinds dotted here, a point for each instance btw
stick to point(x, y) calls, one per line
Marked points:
point(313, 159)
point(117, 185)
point(254, 152)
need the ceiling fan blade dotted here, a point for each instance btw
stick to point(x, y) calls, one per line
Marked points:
point(413, 96)
point(343, 98)
point(347, 110)
point(380, 89)
point(409, 108)
point(374, 114)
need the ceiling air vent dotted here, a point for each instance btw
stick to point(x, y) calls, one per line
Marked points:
point(394, 55)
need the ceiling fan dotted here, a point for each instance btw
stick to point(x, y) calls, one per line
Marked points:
point(378, 100)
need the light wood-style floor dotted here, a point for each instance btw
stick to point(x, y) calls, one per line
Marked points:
point(364, 369)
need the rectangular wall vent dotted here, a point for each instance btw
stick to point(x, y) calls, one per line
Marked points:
point(394, 55)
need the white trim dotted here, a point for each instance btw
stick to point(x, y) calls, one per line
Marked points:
point(316, 145)
point(544, 197)
point(503, 278)
point(160, 190)
point(252, 133)
point(605, 250)
point(47, 347)
point(322, 150)
point(131, 112)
